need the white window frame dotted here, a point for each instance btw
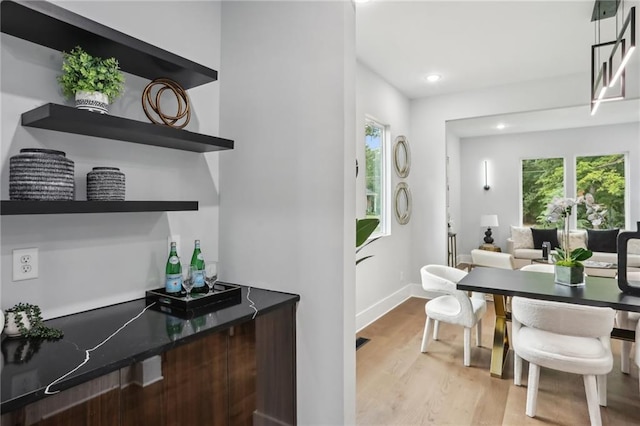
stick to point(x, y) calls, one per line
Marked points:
point(385, 203)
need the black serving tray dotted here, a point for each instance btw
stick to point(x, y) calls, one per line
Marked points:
point(222, 296)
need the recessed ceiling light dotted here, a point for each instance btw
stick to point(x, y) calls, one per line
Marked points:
point(432, 78)
point(501, 126)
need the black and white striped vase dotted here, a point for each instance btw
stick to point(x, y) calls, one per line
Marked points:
point(105, 184)
point(42, 175)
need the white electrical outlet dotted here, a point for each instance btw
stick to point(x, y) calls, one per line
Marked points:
point(175, 238)
point(25, 264)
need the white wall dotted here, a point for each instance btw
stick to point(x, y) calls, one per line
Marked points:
point(504, 153)
point(454, 169)
point(288, 208)
point(91, 260)
point(386, 272)
point(428, 117)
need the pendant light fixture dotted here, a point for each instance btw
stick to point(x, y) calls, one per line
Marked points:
point(626, 48)
point(609, 59)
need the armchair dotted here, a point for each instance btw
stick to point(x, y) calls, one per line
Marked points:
point(453, 306)
point(492, 259)
point(547, 334)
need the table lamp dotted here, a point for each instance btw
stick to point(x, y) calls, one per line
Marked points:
point(488, 220)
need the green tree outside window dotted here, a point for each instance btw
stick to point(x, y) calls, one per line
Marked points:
point(542, 181)
point(603, 177)
point(374, 142)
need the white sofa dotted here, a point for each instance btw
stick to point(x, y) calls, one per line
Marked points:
point(520, 245)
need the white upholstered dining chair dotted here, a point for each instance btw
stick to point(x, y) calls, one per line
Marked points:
point(539, 267)
point(628, 321)
point(453, 306)
point(565, 337)
point(492, 259)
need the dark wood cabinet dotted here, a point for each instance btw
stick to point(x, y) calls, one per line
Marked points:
point(210, 381)
point(142, 405)
point(275, 381)
point(96, 403)
point(242, 375)
point(196, 383)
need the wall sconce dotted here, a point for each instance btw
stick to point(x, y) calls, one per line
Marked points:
point(486, 181)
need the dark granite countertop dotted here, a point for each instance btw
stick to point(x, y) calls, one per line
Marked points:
point(152, 333)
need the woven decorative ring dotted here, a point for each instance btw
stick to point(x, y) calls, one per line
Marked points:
point(148, 101)
point(403, 203)
point(402, 156)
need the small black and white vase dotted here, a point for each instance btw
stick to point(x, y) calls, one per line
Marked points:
point(41, 175)
point(105, 184)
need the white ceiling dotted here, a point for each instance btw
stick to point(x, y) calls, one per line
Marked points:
point(476, 44)
point(480, 44)
point(551, 119)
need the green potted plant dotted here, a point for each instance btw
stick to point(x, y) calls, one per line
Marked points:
point(569, 269)
point(25, 319)
point(364, 229)
point(93, 81)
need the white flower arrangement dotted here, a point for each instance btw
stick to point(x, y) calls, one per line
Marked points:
point(560, 210)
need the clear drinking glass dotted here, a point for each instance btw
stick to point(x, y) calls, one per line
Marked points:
point(211, 273)
point(189, 273)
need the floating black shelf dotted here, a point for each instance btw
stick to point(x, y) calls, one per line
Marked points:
point(72, 120)
point(52, 26)
point(8, 207)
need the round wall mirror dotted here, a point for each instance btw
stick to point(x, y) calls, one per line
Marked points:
point(402, 156)
point(403, 203)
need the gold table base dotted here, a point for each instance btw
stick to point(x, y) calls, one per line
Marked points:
point(500, 336)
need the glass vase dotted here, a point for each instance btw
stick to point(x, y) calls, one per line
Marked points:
point(569, 275)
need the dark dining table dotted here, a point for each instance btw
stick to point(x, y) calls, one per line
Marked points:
point(501, 283)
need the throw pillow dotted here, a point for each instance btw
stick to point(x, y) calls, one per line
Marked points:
point(542, 235)
point(577, 239)
point(521, 237)
point(602, 240)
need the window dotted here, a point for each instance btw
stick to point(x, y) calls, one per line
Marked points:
point(542, 181)
point(376, 173)
point(601, 180)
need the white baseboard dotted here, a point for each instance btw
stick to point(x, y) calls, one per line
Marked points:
point(375, 311)
point(380, 308)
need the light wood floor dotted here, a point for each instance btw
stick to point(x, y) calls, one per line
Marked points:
point(399, 385)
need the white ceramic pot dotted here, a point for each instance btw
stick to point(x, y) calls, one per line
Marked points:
point(11, 327)
point(92, 101)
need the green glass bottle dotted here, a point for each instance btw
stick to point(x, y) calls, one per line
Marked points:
point(197, 260)
point(173, 271)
